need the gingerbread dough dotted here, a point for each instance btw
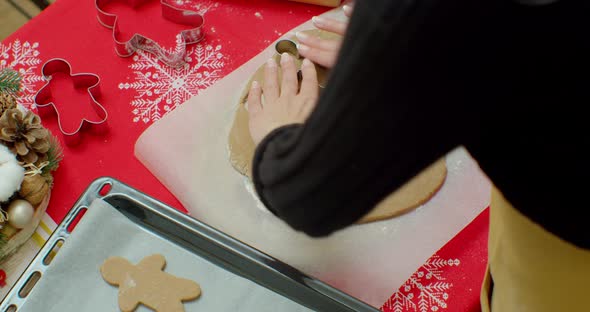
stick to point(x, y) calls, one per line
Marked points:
point(147, 284)
point(411, 195)
point(241, 146)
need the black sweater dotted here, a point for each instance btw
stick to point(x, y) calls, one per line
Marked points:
point(416, 79)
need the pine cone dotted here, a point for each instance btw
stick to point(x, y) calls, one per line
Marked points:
point(7, 102)
point(24, 135)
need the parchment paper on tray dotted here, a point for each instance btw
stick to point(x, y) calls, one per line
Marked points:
point(73, 282)
point(369, 261)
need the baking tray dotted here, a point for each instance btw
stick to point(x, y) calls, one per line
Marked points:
point(194, 236)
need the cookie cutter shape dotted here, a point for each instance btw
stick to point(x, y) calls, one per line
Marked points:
point(290, 46)
point(287, 46)
point(127, 48)
point(44, 104)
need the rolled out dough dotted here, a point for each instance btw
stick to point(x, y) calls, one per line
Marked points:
point(241, 146)
point(411, 195)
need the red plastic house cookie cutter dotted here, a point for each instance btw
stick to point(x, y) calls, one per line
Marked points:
point(140, 42)
point(44, 104)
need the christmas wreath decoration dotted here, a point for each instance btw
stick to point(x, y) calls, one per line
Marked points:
point(29, 154)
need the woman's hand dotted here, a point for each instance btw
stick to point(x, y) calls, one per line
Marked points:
point(321, 51)
point(284, 105)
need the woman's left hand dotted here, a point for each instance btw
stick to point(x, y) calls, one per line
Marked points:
point(284, 102)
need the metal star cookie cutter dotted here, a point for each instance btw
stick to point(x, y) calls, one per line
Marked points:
point(140, 42)
point(44, 104)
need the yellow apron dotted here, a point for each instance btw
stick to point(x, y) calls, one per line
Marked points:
point(530, 269)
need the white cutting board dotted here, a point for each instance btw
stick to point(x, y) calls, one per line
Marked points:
point(187, 150)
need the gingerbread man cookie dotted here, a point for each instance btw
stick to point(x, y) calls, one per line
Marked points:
point(146, 283)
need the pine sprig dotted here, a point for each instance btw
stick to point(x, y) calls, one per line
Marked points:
point(10, 81)
point(54, 156)
point(3, 240)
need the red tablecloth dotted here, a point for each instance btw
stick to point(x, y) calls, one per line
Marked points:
point(139, 90)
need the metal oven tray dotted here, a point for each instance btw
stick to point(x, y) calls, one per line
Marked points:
point(198, 238)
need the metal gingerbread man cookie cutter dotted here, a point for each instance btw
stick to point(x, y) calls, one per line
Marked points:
point(126, 48)
point(289, 46)
point(44, 102)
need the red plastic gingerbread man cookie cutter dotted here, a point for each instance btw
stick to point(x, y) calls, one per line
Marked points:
point(44, 104)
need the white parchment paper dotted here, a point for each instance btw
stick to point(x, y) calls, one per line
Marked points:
point(187, 150)
point(73, 283)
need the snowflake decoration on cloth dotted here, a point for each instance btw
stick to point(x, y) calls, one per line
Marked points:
point(24, 58)
point(426, 290)
point(160, 88)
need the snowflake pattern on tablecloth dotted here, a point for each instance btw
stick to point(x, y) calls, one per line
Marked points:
point(160, 88)
point(24, 58)
point(426, 290)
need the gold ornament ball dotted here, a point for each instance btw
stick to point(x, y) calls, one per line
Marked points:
point(20, 213)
